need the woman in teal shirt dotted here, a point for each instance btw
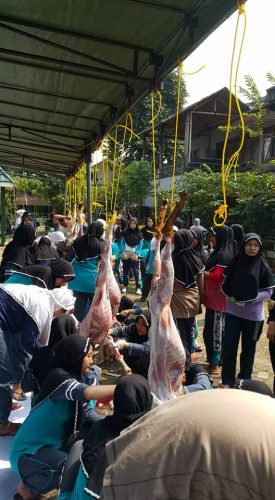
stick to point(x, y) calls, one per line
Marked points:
point(87, 250)
point(36, 454)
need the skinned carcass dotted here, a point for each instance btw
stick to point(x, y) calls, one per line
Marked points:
point(167, 354)
point(106, 300)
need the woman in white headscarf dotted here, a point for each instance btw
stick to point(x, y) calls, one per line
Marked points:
point(26, 313)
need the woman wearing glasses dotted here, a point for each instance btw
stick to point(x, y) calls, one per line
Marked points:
point(248, 283)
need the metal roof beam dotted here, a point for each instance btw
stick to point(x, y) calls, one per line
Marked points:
point(23, 165)
point(165, 8)
point(48, 94)
point(43, 123)
point(74, 65)
point(36, 144)
point(30, 130)
point(58, 70)
point(10, 144)
point(46, 110)
point(62, 47)
point(38, 160)
point(76, 34)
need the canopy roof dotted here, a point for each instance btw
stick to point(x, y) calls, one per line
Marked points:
point(70, 69)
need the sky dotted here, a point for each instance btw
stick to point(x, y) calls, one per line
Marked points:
point(215, 52)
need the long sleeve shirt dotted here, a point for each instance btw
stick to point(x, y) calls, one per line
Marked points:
point(14, 318)
point(253, 310)
point(213, 296)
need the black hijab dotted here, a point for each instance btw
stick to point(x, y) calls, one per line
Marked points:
point(61, 268)
point(225, 249)
point(62, 326)
point(147, 231)
point(45, 251)
point(64, 361)
point(17, 251)
point(41, 274)
point(238, 234)
point(179, 223)
point(253, 386)
point(187, 263)
point(198, 233)
point(88, 245)
point(132, 400)
point(132, 236)
point(132, 333)
point(120, 228)
point(245, 276)
point(43, 361)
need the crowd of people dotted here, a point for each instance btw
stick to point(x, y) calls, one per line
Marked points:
point(47, 288)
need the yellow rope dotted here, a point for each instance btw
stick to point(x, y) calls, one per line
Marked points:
point(152, 122)
point(180, 65)
point(114, 167)
point(194, 72)
point(126, 128)
point(221, 212)
point(154, 117)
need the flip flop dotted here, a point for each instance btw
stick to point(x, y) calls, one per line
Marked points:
point(198, 348)
point(19, 396)
point(10, 429)
point(15, 406)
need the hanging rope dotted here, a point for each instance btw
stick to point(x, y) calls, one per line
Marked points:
point(180, 66)
point(221, 212)
point(152, 122)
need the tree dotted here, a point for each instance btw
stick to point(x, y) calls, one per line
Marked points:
point(142, 116)
point(135, 184)
point(250, 196)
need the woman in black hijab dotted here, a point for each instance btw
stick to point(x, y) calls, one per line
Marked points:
point(224, 249)
point(134, 343)
point(132, 400)
point(56, 274)
point(238, 234)
point(62, 397)
point(197, 243)
point(45, 253)
point(87, 251)
point(121, 226)
point(61, 327)
point(17, 253)
point(130, 246)
point(188, 287)
point(248, 282)
point(43, 361)
point(148, 232)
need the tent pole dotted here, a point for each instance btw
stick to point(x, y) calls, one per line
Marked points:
point(88, 173)
point(3, 216)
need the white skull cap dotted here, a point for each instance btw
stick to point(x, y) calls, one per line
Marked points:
point(63, 298)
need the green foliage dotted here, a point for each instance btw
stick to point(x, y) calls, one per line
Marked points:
point(252, 94)
point(142, 116)
point(135, 183)
point(49, 189)
point(250, 196)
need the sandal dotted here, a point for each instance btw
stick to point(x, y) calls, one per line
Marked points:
point(19, 396)
point(198, 348)
point(10, 429)
point(15, 406)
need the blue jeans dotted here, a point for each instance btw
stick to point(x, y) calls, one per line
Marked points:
point(6, 373)
point(251, 331)
point(201, 383)
point(13, 363)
